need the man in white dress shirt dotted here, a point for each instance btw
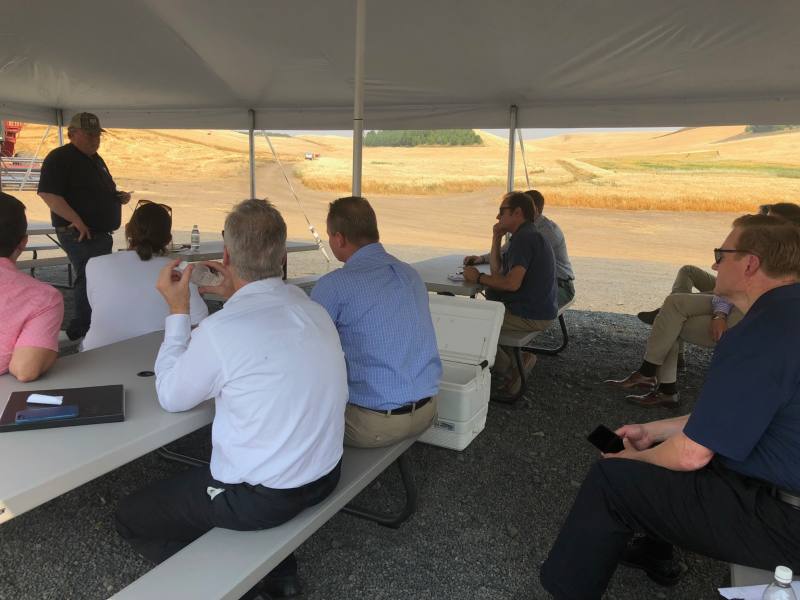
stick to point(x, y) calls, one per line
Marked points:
point(278, 433)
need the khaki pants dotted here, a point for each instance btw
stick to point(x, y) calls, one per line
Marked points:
point(503, 360)
point(683, 317)
point(364, 428)
point(689, 277)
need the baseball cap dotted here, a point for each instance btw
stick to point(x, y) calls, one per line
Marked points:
point(86, 121)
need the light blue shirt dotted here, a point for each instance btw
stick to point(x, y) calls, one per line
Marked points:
point(380, 307)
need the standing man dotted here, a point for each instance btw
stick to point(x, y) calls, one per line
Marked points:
point(523, 278)
point(272, 361)
point(565, 276)
point(725, 480)
point(85, 205)
point(380, 307)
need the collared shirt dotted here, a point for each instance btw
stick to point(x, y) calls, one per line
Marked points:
point(86, 185)
point(31, 313)
point(553, 234)
point(380, 307)
point(721, 305)
point(121, 288)
point(537, 296)
point(748, 411)
point(272, 361)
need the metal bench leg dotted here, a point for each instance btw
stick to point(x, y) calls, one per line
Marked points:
point(552, 351)
point(169, 455)
point(393, 520)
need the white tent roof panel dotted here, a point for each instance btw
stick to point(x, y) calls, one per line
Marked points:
point(433, 63)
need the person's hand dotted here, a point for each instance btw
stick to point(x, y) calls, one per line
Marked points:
point(174, 286)
point(124, 197)
point(498, 231)
point(473, 260)
point(471, 274)
point(635, 436)
point(82, 229)
point(224, 289)
point(718, 327)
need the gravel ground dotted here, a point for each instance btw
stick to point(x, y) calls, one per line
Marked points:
point(487, 516)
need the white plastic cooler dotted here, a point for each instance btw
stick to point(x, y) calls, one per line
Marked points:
point(466, 333)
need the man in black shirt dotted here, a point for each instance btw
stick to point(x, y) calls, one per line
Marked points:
point(85, 205)
point(523, 278)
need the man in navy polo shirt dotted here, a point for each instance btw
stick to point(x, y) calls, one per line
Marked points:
point(725, 480)
point(523, 278)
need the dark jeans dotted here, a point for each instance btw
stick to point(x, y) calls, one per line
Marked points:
point(713, 511)
point(79, 254)
point(168, 515)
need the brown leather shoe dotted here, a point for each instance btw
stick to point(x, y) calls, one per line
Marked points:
point(655, 398)
point(634, 380)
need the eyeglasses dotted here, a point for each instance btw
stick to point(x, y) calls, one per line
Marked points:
point(720, 252)
point(504, 207)
point(143, 202)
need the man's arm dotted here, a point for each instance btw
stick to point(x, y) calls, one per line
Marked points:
point(59, 206)
point(495, 259)
point(677, 453)
point(505, 283)
point(28, 363)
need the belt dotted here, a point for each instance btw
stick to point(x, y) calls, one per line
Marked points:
point(405, 409)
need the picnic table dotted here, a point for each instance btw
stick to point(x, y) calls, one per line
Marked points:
point(435, 271)
point(213, 250)
point(50, 462)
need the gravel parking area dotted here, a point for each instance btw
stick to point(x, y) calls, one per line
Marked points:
point(487, 516)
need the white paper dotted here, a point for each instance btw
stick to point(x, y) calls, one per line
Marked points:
point(43, 399)
point(456, 277)
point(752, 592)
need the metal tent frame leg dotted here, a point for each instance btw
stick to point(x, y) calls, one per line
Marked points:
point(392, 519)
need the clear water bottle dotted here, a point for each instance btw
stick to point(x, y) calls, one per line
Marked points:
point(195, 238)
point(781, 587)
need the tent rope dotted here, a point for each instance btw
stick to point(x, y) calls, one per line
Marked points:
point(300, 204)
point(524, 160)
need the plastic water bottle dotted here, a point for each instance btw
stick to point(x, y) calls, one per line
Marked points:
point(781, 587)
point(195, 238)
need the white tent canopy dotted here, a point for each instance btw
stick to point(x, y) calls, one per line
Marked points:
point(431, 63)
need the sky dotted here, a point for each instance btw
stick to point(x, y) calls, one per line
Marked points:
point(527, 134)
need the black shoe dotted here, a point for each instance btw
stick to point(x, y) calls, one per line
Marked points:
point(283, 586)
point(666, 572)
point(648, 316)
point(74, 334)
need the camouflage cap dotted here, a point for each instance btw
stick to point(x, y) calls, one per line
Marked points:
point(86, 121)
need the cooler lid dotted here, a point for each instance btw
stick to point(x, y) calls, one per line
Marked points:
point(466, 329)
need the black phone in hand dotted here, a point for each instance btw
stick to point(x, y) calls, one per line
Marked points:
point(606, 440)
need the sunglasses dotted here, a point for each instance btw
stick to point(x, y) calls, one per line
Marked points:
point(144, 202)
point(504, 207)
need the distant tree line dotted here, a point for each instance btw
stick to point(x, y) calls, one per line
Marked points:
point(769, 128)
point(432, 137)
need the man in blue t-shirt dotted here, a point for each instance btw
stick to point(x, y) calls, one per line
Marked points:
point(725, 480)
point(523, 278)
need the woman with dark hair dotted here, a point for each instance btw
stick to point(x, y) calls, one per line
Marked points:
point(122, 286)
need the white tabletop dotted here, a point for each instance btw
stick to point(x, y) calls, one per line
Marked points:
point(213, 250)
point(40, 228)
point(434, 272)
point(37, 466)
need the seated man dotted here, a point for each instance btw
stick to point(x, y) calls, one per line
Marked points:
point(272, 361)
point(723, 481)
point(699, 319)
point(565, 276)
point(380, 307)
point(31, 311)
point(523, 278)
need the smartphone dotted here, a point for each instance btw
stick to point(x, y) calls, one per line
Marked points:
point(46, 413)
point(606, 440)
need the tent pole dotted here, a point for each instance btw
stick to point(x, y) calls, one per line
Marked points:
point(358, 96)
point(512, 129)
point(252, 141)
point(2, 141)
point(60, 123)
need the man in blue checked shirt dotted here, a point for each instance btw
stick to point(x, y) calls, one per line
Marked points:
point(380, 307)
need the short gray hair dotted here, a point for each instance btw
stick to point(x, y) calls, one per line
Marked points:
point(255, 236)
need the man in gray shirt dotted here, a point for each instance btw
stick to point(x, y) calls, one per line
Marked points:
point(565, 276)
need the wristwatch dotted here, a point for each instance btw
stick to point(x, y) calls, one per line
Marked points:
point(717, 316)
point(479, 278)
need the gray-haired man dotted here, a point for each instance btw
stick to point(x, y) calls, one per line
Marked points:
point(278, 433)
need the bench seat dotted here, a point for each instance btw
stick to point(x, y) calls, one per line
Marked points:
point(224, 564)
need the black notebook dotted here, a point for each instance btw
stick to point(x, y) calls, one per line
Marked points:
point(98, 404)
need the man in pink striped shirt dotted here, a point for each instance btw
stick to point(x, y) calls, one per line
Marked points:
point(31, 312)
